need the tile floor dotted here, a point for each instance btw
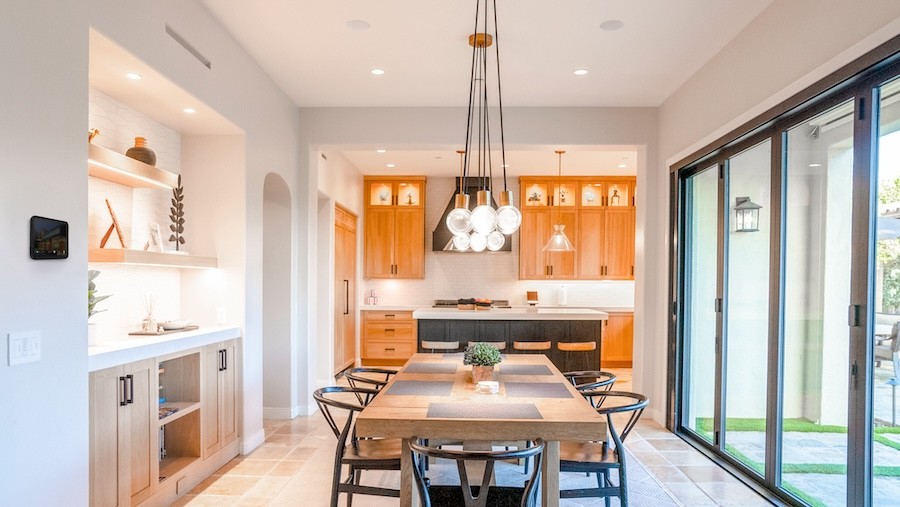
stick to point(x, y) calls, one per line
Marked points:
point(293, 467)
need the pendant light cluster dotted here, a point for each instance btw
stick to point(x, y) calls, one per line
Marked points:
point(559, 242)
point(484, 227)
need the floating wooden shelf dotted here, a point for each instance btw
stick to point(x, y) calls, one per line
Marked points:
point(109, 165)
point(142, 257)
point(168, 467)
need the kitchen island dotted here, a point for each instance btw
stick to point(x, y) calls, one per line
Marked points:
point(508, 325)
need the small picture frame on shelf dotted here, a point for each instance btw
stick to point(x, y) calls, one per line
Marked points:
point(154, 243)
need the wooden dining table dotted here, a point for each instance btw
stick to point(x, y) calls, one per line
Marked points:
point(433, 397)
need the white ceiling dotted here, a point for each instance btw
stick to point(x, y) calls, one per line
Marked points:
point(307, 47)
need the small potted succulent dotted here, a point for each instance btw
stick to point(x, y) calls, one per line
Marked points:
point(482, 356)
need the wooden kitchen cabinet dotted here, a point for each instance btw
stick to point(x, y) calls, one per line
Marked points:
point(537, 226)
point(599, 216)
point(123, 434)
point(394, 227)
point(219, 406)
point(617, 341)
point(344, 289)
point(388, 338)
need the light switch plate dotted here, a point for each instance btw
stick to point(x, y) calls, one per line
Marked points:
point(24, 347)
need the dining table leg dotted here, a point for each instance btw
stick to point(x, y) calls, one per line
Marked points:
point(550, 475)
point(409, 497)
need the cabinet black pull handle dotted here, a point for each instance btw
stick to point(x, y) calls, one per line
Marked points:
point(225, 357)
point(221, 359)
point(391, 349)
point(346, 297)
point(129, 379)
point(123, 398)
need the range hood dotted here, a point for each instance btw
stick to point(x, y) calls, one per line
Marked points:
point(441, 235)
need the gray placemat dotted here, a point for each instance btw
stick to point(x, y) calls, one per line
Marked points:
point(536, 390)
point(483, 411)
point(431, 368)
point(524, 369)
point(420, 388)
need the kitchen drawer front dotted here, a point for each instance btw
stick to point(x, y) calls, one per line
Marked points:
point(387, 316)
point(390, 331)
point(389, 349)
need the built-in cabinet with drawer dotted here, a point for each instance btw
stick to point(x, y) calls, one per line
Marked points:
point(394, 227)
point(599, 218)
point(388, 337)
point(618, 340)
point(159, 426)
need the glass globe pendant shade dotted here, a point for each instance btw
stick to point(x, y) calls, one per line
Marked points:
point(484, 216)
point(459, 220)
point(495, 241)
point(461, 242)
point(509, 218)
point(477, 242)
point(559, 242)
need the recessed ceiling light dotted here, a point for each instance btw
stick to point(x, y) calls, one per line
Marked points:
point(612, 25)
point(580, 72)
point(622, 165)
point(381, 150)
point(392, 165)
point(134, 76)
point(189, 110)
point(377, 72)
point(358, 25)
point(815, 165)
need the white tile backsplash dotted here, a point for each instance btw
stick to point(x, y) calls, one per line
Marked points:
point(135, 208)
point(492, 275)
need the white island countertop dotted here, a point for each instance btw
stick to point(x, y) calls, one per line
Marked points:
point(510, 314)
point(128, 348)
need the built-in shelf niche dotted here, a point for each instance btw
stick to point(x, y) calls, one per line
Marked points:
point(117, 168)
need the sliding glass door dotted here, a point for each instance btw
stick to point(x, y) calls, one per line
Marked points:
point(701, 266)
point(818, 221)
point(885, 348)
point(787, 319)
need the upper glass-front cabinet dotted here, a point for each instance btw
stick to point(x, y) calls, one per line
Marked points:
point(402, 193)
point(605, 192)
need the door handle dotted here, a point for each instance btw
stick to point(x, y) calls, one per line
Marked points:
point(129, 380)
point(123, 393)
point(346, 297)
point(224, 359)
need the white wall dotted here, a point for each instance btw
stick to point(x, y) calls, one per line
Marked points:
point(788, 47)
point(43, 127)
point(326, 128)
point(340, 180)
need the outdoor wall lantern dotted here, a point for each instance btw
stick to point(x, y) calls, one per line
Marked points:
point(746, 215)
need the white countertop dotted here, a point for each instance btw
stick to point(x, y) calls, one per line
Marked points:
point(115, 352)
point(511, 314)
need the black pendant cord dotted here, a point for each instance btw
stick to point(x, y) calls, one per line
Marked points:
point(469, 119)
point(500, 97)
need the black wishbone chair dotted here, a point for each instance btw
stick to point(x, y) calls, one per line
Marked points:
point(358, 454)
point(602, 457)
point(368, 378)
point(591, 381)
point(467, 494)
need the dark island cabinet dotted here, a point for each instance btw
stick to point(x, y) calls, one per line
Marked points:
point(555, 331)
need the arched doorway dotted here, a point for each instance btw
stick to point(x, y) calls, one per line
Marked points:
point(279, 381)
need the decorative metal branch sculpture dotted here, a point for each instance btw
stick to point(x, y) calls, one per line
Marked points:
point(177, 215)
